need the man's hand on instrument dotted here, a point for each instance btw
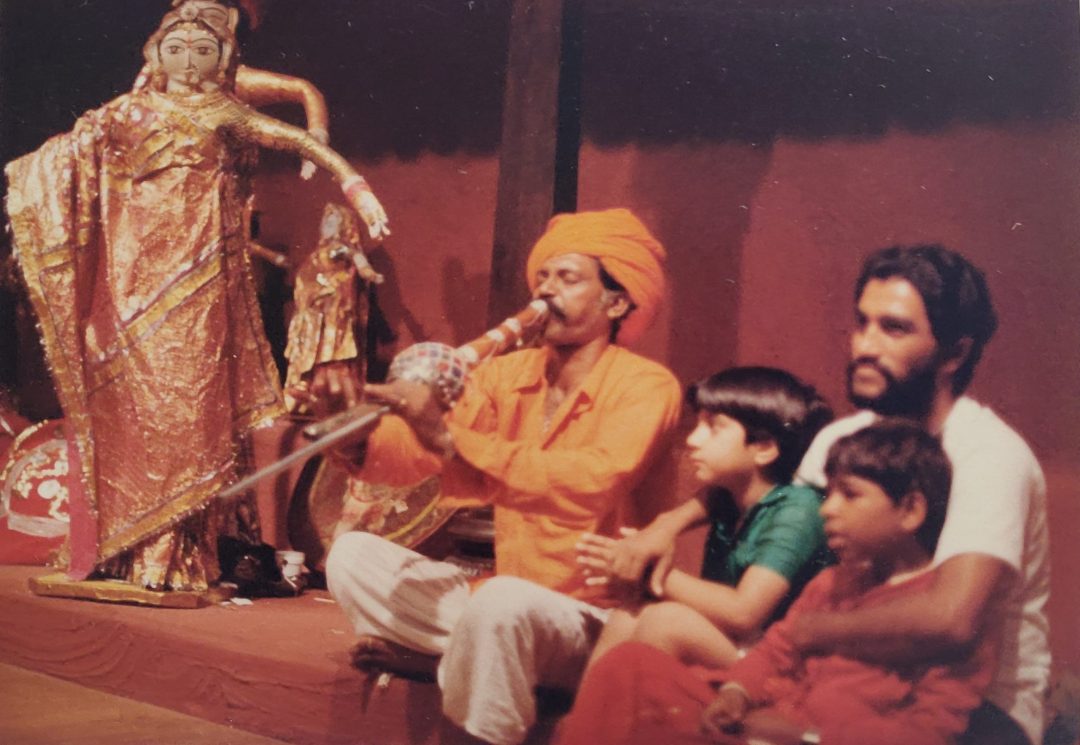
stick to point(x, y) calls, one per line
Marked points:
point(417, 404)
point(334, 387)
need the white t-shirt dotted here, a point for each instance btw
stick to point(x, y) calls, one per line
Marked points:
point(997, 507)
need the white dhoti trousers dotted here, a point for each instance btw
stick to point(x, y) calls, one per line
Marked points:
point(498, 645)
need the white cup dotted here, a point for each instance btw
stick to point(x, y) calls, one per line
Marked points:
point(291, 564)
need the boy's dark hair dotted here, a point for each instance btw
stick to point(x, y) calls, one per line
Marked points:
point(901, 458)
point(770, 404)
point(953, 291)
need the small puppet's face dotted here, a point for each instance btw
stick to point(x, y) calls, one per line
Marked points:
point(190, 59)
point(331, 225)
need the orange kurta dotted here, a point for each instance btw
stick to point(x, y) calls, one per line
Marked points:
point(604, 460)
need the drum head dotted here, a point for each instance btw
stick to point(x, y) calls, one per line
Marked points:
point(34, 495)
point(406, 515)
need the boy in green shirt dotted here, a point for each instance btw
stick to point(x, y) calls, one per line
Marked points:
point(766, 541)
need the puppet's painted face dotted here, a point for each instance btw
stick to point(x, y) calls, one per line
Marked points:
point(331, 225)
point(190, 59)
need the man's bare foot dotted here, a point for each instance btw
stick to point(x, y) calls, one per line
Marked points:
point(373, 653)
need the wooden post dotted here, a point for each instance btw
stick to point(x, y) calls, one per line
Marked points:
point(534, 163)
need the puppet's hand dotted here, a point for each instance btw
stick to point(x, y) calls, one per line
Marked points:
point(372, 276)
point(334, 387)
point(368, 274)
point(363, 200)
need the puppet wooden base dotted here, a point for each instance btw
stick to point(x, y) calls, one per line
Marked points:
point(107, 591)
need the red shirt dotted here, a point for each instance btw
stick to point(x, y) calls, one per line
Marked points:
point(852, 702)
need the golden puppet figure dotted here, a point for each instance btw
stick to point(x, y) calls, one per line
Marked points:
point(128, 231)
point(330, 309)
point(263, 88)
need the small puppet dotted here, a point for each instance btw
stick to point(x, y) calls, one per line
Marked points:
point(331, 309)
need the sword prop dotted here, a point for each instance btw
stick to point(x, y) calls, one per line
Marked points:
point(357, 421)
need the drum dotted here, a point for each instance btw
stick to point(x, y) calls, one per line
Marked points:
point(410, 516)
point(407, 515)
point(34, 495)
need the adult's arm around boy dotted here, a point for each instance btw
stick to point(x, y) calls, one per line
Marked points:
point(995, 477)
point(946, 618)
point(935, 712)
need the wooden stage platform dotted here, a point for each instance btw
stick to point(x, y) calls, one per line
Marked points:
point(279, 668)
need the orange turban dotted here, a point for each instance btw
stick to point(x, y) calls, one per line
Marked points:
point(625, 248)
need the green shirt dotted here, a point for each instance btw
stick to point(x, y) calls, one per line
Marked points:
point(783, 532)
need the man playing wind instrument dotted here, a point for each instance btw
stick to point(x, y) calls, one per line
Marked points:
point(561, 439)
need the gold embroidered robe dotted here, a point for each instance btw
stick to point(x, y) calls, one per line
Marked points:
point(128, 232)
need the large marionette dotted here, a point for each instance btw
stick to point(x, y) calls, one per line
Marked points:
point(129, 233)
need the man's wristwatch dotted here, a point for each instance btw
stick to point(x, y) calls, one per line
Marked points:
point(811, 737)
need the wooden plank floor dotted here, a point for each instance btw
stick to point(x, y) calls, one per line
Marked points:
point(37, 709)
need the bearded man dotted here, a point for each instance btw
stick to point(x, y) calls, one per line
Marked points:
point(923, 316)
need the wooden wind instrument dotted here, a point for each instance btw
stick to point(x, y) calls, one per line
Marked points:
point(439, 365)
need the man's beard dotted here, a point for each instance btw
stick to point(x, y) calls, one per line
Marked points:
point(909, 397)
